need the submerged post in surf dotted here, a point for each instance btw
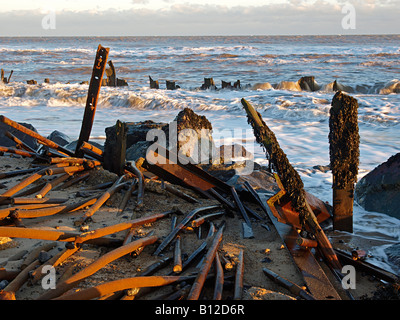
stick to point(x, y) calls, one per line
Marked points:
point(291, 182)
point(92, 97)
point(344, 153)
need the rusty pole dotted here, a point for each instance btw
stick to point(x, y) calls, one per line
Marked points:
point(97, 265)
point(35, 135)
point(205, 268)
point(119, 285)
point(92, 97)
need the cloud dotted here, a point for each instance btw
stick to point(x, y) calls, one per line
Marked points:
point(294, 17)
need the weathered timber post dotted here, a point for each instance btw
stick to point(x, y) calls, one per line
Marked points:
point(344, 153)
point(93, 95)
point(291, 181)
point(153, 84)
point(115, 148)
point(111, 75)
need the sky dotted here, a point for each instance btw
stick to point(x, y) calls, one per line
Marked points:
point(197, 17)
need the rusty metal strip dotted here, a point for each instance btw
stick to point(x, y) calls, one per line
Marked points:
point(92, 97)
point(121, 284)
point(97, 265)
point(206, 266)
point(35, 135)
point(187, 175)
point(313, 275)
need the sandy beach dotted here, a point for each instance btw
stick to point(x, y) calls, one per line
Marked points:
point(266, 249)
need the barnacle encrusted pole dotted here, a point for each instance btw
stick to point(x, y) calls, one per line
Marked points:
point(344, 141)
point(291, 181)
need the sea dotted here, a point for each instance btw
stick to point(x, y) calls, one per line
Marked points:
point(364, 64)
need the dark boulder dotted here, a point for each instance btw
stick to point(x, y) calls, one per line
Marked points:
point(7, 142)
point(379, 190)
point(59, 138)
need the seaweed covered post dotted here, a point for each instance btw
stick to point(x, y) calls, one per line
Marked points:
point(291, 182)
point(344, 153)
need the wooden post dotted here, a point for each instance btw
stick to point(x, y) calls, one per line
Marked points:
point(111, 75)
point(115, 149)
point(153, 84)
point(93, 95)
point(344, 153)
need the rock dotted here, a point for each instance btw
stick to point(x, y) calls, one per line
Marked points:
point(379, 190)
point(59, 138)
point(260, 180)
point(262, 86)
point(308, 84)
point(288, 85)
point(336, 86)
point(31, 82)
point(7, 142)
point(393, 254)
point(208, 84)
point(229, 152)
point(194, 133)
point(392, 87)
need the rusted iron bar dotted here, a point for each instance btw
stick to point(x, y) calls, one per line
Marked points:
point(35, 251)
point(75, 179)
point(92, 151)
point(98, 233)
point(11, 174)
point(126, 197)
point(50, 185)
point(54, 261)
point(309, 243)
point(247, 228)
point(8, 275)
point(180, 226)
point(205, 268)
point(238, 291)
point(43, 212)
point(92, 97)
point(19, 144)
point(170, 168)
point(344, 154)
point(122, 284)
point(21, 200)
point(179, 193)
point(97, 265)
point(179, 294)
point(32, 233)
point(221, 199)
point(199, 221)
point(255, 196)
point(22, 277)
point(35, 135)
point(71, 160)
point(55, 169)
point(291, 182)
point(6, 211)
point(131, 167)
point(287, 284)
point(102, 199)
point(177, 255)
point(369, 268)
point(19, 152)
point(219, 278)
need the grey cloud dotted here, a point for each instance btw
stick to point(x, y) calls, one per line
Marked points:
point(186, 19)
